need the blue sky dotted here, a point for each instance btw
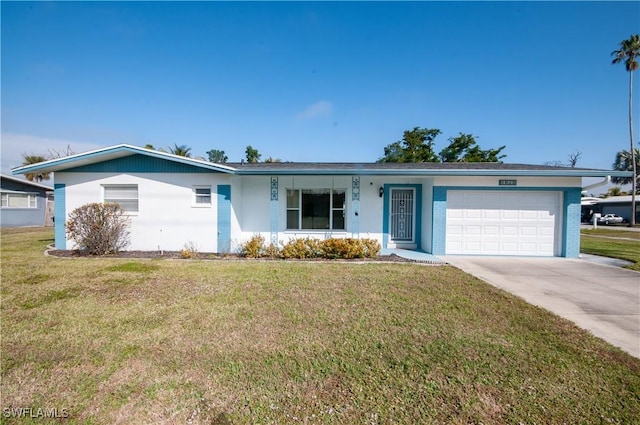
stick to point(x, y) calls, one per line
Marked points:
point(316, 81)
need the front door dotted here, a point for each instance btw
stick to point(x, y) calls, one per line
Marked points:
point(402, 214)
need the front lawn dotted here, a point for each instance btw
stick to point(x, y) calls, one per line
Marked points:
point(245, 342)
point(612, 243)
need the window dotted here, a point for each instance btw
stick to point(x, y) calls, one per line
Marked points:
point(202, 196)
point(125, 195)
point(318, 209)
point(19, 200)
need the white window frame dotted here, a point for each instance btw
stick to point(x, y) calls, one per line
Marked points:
point(197, 196)
point(106, 187)
point(32, 200)
point(332, 209)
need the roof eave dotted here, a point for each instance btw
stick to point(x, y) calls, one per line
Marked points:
point(27, 182)
point(118, 151)
point(435, 173)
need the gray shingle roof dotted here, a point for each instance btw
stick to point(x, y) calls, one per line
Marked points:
point(423, 169)
point(373, 166)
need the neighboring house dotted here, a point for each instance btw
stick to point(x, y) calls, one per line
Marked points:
point(439, 208)
point(619, 205)
point(588, 204)
point(24, 203)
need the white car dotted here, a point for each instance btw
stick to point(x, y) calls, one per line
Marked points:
point(610, 219)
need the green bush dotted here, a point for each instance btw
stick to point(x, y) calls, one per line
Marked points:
point(99, 229)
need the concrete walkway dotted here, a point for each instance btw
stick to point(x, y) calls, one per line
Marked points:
point(600, 298)
point(417, 256)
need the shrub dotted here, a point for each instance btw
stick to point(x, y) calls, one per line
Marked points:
point(350, 248)
point(254, 247)
point(372, 248)
point(302, 248)
point(99, 229)
point(272, 251)
point(343, 248)
point(190, 250)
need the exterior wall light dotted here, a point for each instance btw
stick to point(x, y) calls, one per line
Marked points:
point(381, 191)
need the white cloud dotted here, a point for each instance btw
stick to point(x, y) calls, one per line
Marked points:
point(319, 109)
point(14, 145)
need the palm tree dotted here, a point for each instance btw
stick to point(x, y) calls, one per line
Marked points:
point(623, 162)
point(34, 159)
point(614, 191)
point(628, 53)
point(182, 150)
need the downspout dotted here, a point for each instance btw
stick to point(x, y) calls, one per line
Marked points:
point(607, 180)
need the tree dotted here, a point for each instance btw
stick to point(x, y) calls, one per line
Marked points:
point(465, 149)
point(28, 159)
point(628, 53)
point(614, 191)
point(417, 145)
point(54, 153)
point(217, 156)
point(252, 154)
point(272, 159)
point(623, 163)
point(182, 150)
point(573, 158)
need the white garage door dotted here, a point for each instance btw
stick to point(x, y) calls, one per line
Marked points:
point(503, 223)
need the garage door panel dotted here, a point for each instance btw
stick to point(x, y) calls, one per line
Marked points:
point(509, 215)
point(502, 223)
point(547, 231)
point(530, 215)
point(510, 231)
point(473, 214)
point(528, 231)
point(528, 248)
point(491, 230)
point(492, 215)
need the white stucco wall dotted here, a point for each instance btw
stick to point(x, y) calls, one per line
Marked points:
point(255, 214)
point(167, 218)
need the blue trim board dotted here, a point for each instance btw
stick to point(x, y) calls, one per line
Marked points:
point(119, 151)
point(439, 221)
point(59, 216)
point(138, 164)
point(224, 218)
point(385, 212)
point(571, 222)
point(274, 210)
point(570, 232)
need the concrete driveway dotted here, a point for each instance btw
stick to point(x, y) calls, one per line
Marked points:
point(602, 299)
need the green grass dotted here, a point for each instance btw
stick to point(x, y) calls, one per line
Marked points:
point(612, 243)
point(196, 341)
